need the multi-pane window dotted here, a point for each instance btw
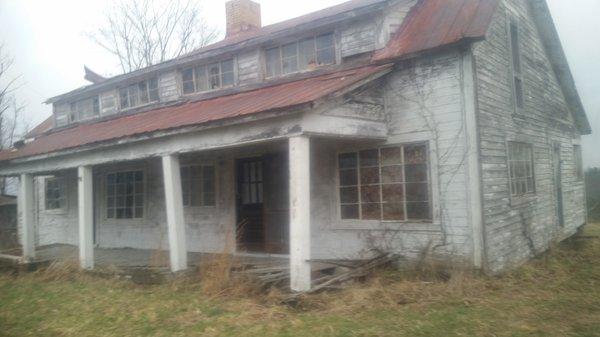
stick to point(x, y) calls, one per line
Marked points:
point(515, 50)
point(198, 185)
point(208, 77)
point(520, 162)
point(84, 109)
point(300, 55)
point(389, 184)
point(55, 193)
point(139, 94)
point(125, 195)
point(578, 158)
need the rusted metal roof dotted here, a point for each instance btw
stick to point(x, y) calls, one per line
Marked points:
point(44, 126)
point(265, 33)
point(265, 99)
point(431, 24)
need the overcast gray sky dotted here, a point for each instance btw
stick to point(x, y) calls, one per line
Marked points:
point(47, 42)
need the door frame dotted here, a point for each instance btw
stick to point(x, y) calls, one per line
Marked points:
point(558, 185)
point(238, 203)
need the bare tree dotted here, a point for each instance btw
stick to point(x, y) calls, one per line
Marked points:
point(140, 33)
point(10, 110)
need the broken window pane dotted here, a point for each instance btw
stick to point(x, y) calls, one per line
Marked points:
point(393, 212)
point(369, 158)
point(370, 194)
point(415, 154)
point(416, 173)
point(325, 49)
point(289, 54)
point(393, 193)
point(371, 211)
point(369, 176)
point(348, 177)
point(348, 195)
point(306, 54)
point(391, 155)
point(391, 174)
point(417, 192)
point(418, 211)
point(349, 212)
point(347, 160)
point(273, 62)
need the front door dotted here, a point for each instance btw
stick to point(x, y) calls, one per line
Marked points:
point(250, 230)
point(558, 185)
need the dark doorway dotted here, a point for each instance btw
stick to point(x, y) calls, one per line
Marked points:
point(262, 204)
point(558, 185)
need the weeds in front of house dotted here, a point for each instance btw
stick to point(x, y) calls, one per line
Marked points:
point(554, 295)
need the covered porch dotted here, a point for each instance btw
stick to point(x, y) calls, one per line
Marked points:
point(253, 201)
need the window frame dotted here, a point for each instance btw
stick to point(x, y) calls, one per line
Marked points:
point(297, 42)
point(136, 84)
point(432, 201)
point(516, 75)
point(105, 196)
point(206, 65)
point(533, 192)
point(74, 115)
point(579, 171)
point(215, 192)
point(63, 187)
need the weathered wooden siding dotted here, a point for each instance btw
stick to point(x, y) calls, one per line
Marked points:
point(423, 103)
point(516, 229)
point(249, 67)
point(168, 86)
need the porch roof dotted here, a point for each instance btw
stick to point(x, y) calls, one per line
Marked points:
point(193, 113)
point(437, 23)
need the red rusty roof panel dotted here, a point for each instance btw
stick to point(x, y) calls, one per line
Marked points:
point(435, 23)
point(270, 98)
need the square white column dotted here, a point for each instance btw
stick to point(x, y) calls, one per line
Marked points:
point(175, 218)
point(300, 271)
point(85, 183)
point(26, 210)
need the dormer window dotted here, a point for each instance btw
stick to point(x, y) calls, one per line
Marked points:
point(138, 94)
point(84, 109)
point(208, 77)
point(300, 55)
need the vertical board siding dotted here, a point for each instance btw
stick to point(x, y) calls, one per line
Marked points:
point(516, 231)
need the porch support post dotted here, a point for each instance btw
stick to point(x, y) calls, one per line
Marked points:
point(175, 219)
point(300, 272)
point(85, 183)
point(25, 205)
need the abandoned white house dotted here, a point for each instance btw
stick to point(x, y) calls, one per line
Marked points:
point(391, 124)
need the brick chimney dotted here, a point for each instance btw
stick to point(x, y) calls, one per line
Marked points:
point(242, 16)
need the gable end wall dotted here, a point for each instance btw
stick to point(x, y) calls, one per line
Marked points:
point(517, 229)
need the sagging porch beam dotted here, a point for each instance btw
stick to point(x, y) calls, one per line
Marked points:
point(85, 194)
point(299, 162)
point(26, 210)
point(175, 217)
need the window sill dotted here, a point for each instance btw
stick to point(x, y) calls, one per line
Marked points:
point(137, 106)
point(61, 211)
point(189, 94)
point(387, 225)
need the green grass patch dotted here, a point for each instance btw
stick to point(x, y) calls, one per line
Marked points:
point(555, 295)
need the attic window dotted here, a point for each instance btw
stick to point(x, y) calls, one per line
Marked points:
point(300, 55)
point(139, 94)
point(84, 109)
point(516, 65)
point(208, 77)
